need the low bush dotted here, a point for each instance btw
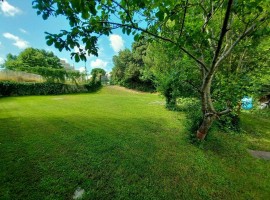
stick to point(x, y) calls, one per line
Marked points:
point(93, 86)
point(140, 86)
point(8, 88)
point(193, 118)
point(229, 123)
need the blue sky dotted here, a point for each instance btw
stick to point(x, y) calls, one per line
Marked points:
point(20, 27)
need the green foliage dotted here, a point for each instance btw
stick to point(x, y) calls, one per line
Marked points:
point(144, 86)
point(175, 76)
point(243, 74)
point(93, 86)
point(192, 108)
point(8, 88)
point(120, 62)
point(73, 75)
point(229, 123)
point(97, 73)
point(172, 18)
point(264, 89)
point(31, 58)
point(194, 118)
point(40, 62)
point(130, 71)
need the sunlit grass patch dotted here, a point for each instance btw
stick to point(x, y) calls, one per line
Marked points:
point(117, 144)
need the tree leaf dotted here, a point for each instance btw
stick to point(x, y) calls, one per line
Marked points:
point(49, 42)
point(77, 58)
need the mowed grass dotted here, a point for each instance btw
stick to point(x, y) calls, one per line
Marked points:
point(118, 144)
point(257, 128)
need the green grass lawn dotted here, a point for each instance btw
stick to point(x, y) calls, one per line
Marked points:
point(119, 144)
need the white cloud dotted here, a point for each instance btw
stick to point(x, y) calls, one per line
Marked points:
point(9, 10)
point(64, 59)
point(18, 42)
point(117, 42)
point(23, 31)
point(82, 69)
point(10, 36)
point(98, 63)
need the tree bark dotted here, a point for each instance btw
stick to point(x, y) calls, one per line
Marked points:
point(209, 113)
point(208, 119)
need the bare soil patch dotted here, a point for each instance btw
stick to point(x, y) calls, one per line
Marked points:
point(260, 154)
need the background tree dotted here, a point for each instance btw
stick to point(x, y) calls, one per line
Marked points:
point(206, 31)
point(174, 73)
point(37, 61)
point(10, 62)
point(121, 62)
point(129, 68)
point(97, 73)
point(40, 62)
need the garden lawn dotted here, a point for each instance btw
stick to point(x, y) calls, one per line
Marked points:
point(119, 144)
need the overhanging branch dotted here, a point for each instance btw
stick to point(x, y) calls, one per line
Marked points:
point(211, 14)
point(222, 34)
point(224, 112)
point(126, 11)
point(158, 37)
point(184, 17)
point(194, 86)
point(242, 36)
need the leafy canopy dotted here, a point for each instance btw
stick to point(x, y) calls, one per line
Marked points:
point(40, 62)
point(181, 23)
point(31, 58)
point(98, 71)
point(130, 70)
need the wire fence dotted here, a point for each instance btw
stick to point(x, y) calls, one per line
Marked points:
point(19, 76)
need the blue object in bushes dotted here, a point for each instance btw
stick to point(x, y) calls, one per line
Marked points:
point(247, 103)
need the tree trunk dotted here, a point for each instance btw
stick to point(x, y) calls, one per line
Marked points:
point(208, 119)
point(208, 110)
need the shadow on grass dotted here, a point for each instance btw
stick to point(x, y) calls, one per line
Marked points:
point(257, 131)
point(52, 156)
point(121, 157)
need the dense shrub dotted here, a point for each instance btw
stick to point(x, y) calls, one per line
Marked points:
point(8, 88)
point(93, 86)
point(193, 118)
point(141, 86)
point(192, 109)
point(229, 123)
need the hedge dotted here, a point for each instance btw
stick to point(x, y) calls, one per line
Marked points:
point(141, 86)
point(9, 88)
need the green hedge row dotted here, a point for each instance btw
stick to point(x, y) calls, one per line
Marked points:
point(8, 88)
point(144, 87)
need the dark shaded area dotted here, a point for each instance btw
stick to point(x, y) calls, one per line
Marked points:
point(8, 88)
